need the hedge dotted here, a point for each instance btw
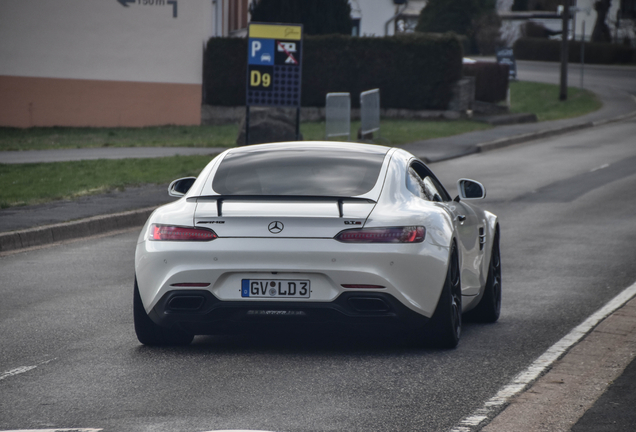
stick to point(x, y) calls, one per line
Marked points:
point(414, 71)
point(550, 50)
point(491, 80)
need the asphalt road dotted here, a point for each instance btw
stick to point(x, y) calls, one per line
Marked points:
point(594, 76)
point(69, 357)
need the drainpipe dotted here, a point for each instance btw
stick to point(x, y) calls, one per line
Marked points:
point(216, 17)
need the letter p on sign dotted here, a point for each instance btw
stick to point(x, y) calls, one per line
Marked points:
point(256, 46)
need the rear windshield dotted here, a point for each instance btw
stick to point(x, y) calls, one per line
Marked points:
point(302, 171)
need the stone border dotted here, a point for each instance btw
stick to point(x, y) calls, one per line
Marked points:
point(517, 139)
point(47, 234)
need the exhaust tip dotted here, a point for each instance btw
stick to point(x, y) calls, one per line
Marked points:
point(182, 303)
point(369, 304)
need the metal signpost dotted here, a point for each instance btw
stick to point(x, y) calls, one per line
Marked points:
point(563, 90)
point(274, 69)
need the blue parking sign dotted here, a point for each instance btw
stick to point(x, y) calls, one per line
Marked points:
point(261, 51)
point(274, 65)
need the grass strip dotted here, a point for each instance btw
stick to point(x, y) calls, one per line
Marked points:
point(393, 132)
point(26, 184)
point(52, 138)
point(397, 132)
point(543, 100)
point(538, 98)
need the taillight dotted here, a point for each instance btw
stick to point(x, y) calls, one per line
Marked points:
point(411, 234)
point(177, 233)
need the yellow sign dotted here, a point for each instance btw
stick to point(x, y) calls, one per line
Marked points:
point(280, 31)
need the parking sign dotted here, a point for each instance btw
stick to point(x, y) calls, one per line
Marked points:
point(274, 65)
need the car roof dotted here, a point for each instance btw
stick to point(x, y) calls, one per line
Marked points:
point(331, 146)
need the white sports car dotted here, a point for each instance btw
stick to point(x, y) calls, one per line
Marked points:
point(319, 233)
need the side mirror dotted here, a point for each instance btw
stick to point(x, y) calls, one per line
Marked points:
point(179, 187)
point(470, 189)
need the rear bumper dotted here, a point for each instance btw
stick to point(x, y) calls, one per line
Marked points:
point(412, 274)
point(200, 312)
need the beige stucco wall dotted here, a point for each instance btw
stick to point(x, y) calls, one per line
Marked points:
point(98, 63)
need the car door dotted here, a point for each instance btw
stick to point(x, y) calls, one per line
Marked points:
point(467, 225)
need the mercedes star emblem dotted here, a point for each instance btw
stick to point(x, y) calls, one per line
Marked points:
point(275, 227)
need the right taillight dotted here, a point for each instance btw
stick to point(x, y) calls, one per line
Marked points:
point(177, 233)
point(409, 234)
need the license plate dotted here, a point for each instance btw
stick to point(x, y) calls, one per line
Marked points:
point(274, 288)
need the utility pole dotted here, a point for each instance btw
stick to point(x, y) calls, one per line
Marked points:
point(563, 93)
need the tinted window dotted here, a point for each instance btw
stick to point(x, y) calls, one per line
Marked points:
point(414, 183)
point(307, 171)
point(424, 173)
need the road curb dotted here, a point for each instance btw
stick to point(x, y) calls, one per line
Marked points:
point(43, 235)
point(518, 139)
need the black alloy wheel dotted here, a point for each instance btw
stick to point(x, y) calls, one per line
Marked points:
point(489, 307)
point(150, 333)
point(445, 327)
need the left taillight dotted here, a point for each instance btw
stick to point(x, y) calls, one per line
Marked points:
point(177, 233)
point(409, 234)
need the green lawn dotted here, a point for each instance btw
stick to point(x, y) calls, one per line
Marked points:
point(543, 100)
point(393, 132)
point(33, 183)
point(24, 184)
point(51, 138)
point(397, 132)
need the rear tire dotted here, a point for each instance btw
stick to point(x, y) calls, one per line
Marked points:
point(445, 327)
point(489, 307)
point(150, 333)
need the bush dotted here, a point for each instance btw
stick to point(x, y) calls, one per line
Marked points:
point(475, 19)
point(487, 33)
point(316, 16)
point(452, 15)
point(550, 50)
point(413, 71)
point(491, 80)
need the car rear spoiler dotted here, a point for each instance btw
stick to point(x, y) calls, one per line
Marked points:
point(221, 198)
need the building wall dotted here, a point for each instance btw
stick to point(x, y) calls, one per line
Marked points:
point(373, 16)
point(99, 63)
point(581, 23)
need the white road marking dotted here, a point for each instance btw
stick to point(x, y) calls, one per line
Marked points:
point(521, 382)
point(53, 430)
point(600, 168)
point(16, 371)
point(20, 370)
